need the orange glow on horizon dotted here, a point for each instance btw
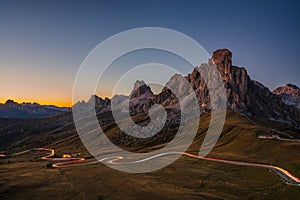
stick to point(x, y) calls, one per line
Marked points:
point(41, 102)
point(59, 103)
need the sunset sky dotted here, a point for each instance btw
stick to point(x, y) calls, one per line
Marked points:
point(43, 43)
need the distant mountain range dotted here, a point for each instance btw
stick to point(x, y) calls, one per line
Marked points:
point(11, 109)
point(244, 95)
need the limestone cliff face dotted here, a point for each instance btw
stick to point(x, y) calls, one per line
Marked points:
point(223, 59)
point(244, 95)
point(236, 80)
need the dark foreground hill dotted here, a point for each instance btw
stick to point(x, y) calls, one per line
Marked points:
point(26, 177)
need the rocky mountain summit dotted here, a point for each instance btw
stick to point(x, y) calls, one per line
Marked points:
point(141, 90)
point(288, 89)
point(140, 98)
point(243, 94)
point(290, 94)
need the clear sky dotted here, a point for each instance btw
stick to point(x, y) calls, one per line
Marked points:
point(42, 43)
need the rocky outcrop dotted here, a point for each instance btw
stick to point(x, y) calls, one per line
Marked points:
point(223, 59)
point(290, 94)
point(288, 89)
point(244, 95)
point(140, 98)
point(140, 90)
point(251, 97)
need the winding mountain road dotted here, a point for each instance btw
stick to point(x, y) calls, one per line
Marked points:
point(286, 176)
point(282, 173)
point(63, 161)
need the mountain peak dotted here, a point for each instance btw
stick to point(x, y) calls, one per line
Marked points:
point(139, 83)
point(290, 85)
point(141, 88)
point(290, 94)
point(288, 89)
point(222, 54)
point(10, 102)
point(223, 59)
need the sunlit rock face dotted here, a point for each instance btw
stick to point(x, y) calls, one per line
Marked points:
point(223, 59)
point(246, 95)
point(243, 94)
point(290, 94)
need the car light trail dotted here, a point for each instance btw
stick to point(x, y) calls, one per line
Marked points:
point(117, 160)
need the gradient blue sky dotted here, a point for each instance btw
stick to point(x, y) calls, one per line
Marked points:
point(42, 43)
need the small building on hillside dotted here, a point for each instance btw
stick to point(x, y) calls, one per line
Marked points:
point(269, 135)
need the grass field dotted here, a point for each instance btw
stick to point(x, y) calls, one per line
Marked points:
point(26, 177)
point(187, 178)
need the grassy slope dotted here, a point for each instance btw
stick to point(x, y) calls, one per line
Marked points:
point(239, 142)
point(25, 177)
point(187, 178)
